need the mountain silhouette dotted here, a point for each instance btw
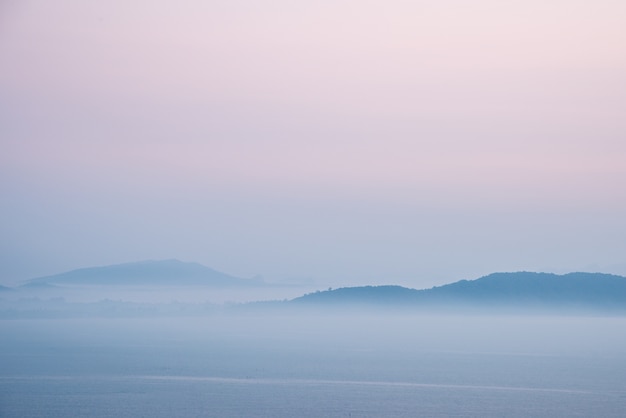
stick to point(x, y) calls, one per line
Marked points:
point(161, 272)
point(519, 290)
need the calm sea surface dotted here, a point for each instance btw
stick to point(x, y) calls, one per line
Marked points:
point(303, 366)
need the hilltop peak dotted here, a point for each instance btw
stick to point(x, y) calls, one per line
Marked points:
point(148, 272)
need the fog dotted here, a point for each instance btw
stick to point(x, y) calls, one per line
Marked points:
point(285, 364)
point(159, 293)
point(321, 144)
point(257, 349)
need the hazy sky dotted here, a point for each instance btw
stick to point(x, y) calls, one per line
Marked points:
point(352, 142)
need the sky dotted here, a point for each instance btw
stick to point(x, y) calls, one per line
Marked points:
point(342, 142)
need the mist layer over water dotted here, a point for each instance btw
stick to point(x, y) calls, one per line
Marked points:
point(303, 365)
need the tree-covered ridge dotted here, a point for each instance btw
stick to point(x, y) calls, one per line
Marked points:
point(584, 290)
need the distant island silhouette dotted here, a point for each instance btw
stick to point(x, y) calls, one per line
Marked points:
point(520, 290)
point(152, 272)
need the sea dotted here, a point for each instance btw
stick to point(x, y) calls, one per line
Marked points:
point(340, 365)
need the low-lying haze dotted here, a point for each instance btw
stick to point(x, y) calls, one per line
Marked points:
point(285, 366)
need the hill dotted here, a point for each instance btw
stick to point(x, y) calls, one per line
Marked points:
point(511, 291)
point(161, 272)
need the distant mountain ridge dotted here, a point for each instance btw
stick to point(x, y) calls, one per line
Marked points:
point(594, 291)
point(498, 293)
point(151, 272)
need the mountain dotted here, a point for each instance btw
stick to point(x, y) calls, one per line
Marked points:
point(513, 291)
point(538, 288)
point(162, 272)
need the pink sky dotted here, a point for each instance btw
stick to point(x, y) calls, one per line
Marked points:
point(309, 123)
